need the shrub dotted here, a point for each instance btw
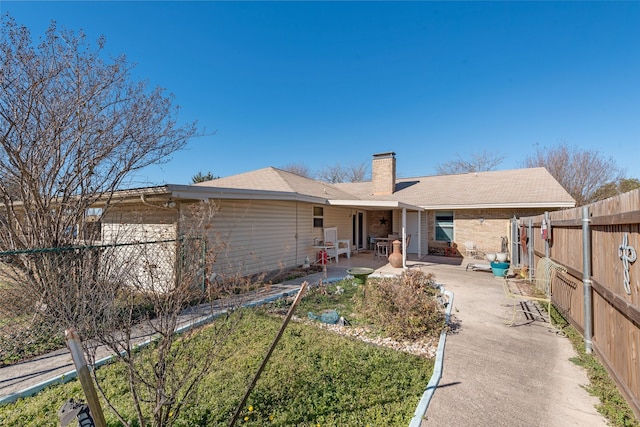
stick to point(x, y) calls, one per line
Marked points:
point(404, 307)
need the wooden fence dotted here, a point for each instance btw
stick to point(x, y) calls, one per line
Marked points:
point(601, 239)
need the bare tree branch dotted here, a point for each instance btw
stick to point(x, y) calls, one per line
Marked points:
point(478, 162)
point(299, 169)
point(73, 128)
point(581, 172)
point(339, 173)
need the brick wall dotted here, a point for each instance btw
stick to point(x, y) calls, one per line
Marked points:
point(375, 225)
point(383, 173)
point(486, 234)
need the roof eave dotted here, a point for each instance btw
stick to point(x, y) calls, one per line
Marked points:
point(375, 204)
point(200, 193)
point(522, 205)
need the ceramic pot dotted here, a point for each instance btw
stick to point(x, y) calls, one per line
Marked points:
point(395, 259)
point(501, 256)
point(499, 268)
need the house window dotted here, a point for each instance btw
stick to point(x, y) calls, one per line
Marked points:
point(444, 226)
point(318, 217)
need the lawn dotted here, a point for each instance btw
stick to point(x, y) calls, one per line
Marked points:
point(314, 377)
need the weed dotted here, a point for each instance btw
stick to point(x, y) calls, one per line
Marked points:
point(612, 405)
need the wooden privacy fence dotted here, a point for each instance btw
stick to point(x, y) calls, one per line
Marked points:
point(600, 293)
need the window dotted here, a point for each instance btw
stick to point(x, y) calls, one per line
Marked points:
point(318, 217)
point(444, 226)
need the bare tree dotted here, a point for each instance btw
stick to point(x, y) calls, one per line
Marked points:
point(339, 173)
point(299, 169)
point(73, 128)
point(581, 172)
point(478, 162)
point(135, 302)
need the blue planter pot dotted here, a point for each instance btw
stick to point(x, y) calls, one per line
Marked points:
point(499, 268)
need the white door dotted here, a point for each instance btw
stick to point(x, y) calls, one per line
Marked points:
point(413, 229)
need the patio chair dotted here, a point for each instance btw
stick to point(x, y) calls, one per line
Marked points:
point(339, 246)
point(382, 247)
point(407, 240)
point(470, 249)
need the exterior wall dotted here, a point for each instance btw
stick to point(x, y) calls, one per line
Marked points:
point(375, 225)
point(486, 234)
point(261, 236)
point(144, 266)
point(249, 237)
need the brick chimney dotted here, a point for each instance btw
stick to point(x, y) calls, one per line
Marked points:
point(383, 173)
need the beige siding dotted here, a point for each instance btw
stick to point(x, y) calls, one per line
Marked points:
point(253, 237)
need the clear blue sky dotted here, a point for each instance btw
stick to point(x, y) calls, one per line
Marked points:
point(319, 83)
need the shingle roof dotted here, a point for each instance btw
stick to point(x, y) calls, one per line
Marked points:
point(274, 179)
point(530, 187)
point(516, 187)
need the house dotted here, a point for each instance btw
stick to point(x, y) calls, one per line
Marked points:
point(269, 218)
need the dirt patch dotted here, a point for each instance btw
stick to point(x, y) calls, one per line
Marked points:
point(295, 273)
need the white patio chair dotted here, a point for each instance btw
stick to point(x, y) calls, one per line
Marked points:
point(382, 247)
point(470, 249)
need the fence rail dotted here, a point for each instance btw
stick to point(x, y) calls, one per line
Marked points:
point(600, 293)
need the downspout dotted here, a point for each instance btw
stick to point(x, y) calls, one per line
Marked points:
point(586, 277)
point(404, 237)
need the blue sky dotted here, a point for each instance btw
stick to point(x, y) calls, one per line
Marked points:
point(321, 83)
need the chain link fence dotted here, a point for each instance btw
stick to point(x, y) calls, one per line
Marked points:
point(45, 291)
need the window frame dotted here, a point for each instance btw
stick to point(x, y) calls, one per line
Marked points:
point(317, 216)
point(442, 223)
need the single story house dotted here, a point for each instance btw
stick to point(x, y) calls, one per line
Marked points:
point(269, 218)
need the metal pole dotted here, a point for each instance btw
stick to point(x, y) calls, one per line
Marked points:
point(73, 342)
point(268, 355)
point(586, 277)
point(530, 248)
point(546, 242)
point(515, 243)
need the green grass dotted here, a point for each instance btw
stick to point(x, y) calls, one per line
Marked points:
point(314, 377)
point(612, 405)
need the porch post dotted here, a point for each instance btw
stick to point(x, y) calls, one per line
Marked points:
point(419, 234)
point(404, 237)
